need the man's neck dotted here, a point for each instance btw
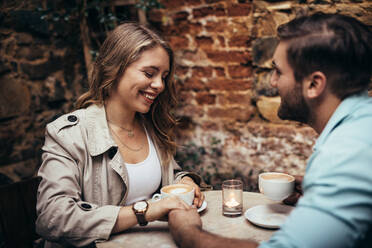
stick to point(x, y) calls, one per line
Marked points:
point(323, 111)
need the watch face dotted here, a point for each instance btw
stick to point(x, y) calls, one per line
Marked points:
point(141, 205)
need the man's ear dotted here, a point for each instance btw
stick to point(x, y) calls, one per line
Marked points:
point(315, 84)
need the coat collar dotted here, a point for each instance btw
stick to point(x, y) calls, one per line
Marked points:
point(99, 138)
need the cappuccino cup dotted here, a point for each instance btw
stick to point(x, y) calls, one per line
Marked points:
point(184, 191)
point(276, 186)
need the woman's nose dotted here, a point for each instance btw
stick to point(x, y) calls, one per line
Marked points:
point(158, 84)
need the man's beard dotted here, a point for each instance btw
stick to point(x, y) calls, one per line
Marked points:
point(293, 106)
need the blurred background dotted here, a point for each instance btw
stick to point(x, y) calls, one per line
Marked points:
point(227, 109)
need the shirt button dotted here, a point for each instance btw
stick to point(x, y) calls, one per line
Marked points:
point(72, 118)
point(86, 206)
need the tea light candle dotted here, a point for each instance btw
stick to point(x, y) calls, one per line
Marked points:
point(232, 197)
point(232, 203)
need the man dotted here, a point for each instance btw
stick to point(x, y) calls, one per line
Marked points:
point(322, 69)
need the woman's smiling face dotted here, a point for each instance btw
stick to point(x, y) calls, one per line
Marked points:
point(142, 81)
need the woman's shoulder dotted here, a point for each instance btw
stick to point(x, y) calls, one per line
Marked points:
point(66, 121)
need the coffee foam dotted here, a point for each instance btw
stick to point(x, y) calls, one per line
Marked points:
point(177, 189)
point(277, 177)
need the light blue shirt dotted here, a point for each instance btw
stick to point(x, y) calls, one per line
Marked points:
point(336, 208)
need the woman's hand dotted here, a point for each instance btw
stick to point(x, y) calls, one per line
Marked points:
point(199, 196)
point(158, 210)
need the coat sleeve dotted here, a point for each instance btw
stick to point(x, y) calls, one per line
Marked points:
point(63, 216)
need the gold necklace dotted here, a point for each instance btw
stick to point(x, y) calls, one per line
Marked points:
point(121, 142)
point(130, 131)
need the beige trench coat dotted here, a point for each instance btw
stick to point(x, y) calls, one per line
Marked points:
point(84, 180)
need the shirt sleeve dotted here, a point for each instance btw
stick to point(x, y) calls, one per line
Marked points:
point(336, 209)
point(63, 215)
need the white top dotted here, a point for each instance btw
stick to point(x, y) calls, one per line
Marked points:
point(144, 177)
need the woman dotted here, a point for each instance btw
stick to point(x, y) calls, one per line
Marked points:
point(116, 150)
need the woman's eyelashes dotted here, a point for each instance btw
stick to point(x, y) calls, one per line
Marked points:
point(148, 74)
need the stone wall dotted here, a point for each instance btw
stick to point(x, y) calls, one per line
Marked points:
point(41, 75)
point(227, 109)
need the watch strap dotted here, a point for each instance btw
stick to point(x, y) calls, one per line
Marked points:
point(140, 215)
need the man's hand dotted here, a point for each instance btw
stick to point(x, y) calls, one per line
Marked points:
point(181, 223)
point(292, 199)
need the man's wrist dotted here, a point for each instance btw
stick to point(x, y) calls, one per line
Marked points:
point(187, 236)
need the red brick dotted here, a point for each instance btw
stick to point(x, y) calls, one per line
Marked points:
point(229, 56)
point(204, 41)
point(202, 12)
point(228, 84)
point(181, 70)
point(209, 125)
point(193, 84)
point(195, 27)
point(240, 41)
point(242, 98)
point(221, 39)
point(171, 4)
point(218, 10)
point(236, 113)
point(178, 42)
point(219, 71)
point(243, 9)
point(184, 96)
point(216, 27)
point(201, 71)
point(193, 2)
point(213, 1)
point(240, 71)
point(204, 98)
point(180, 16)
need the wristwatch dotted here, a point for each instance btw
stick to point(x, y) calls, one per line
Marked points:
point(140, 209)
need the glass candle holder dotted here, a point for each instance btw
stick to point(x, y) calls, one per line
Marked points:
point(232, 197)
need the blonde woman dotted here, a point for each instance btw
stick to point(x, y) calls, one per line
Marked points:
point(116, 150)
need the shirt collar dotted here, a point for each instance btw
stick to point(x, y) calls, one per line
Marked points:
point(346, 107)
point(99, 138)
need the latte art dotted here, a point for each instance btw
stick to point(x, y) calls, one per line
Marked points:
point(183, 191)
point(277, 177)
point(177, 189)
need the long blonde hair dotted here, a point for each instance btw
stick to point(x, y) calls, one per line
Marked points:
point(123, 46)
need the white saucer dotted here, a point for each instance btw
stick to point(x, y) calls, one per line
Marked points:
point(269, 215)
point(202, 207)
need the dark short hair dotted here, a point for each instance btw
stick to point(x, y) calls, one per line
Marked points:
point(337, 45)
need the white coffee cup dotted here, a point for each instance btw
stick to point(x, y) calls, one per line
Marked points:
point(276, 186)
point(183, 191)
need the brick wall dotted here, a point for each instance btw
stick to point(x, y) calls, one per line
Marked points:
point(224, 51)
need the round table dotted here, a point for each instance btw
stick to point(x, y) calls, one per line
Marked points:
point(156, 234)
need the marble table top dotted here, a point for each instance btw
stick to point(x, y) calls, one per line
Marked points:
point(156, 234)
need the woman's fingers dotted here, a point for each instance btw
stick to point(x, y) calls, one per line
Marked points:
point(199, 197)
